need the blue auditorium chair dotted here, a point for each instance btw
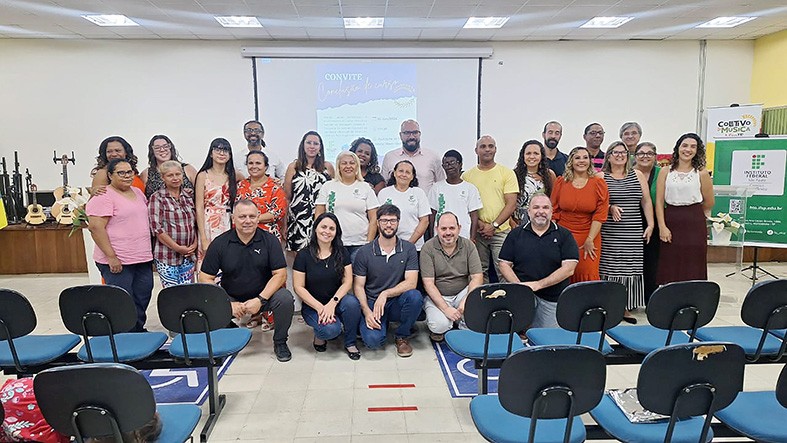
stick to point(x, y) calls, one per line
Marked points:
point(764, 311)
point(673, 310)
point(494, 313)
point(585, 311)
point(19, 349)
point(686, 382)
point(199, 313)
point(760, 416)
point(108, 400)
point(542, 391)
point(103, 315)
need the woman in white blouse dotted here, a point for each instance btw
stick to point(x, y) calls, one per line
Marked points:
point(352, 200)
point(403, 192)
point(684, 198)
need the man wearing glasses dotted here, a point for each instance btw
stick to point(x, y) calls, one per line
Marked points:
point(385, 275)
point(594, 137)
point(427, 164)
point(456, 196)
point(253, 132)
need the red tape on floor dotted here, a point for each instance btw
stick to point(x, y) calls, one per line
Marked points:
point(392, 386)
point(393, 408)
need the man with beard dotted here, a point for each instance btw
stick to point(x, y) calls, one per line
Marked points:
point(556, 160)
point(427, 164)
point(456, 195)
point(253, 272)
point(253, 132)
point(594, 137)
point(450, 269)
point(542, 256)
point(499, 189)
point(386, 273)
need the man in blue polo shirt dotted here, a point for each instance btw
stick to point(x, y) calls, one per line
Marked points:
point(542, 256)
point(386, 273)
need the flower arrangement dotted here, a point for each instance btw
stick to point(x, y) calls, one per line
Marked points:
point(723, 222)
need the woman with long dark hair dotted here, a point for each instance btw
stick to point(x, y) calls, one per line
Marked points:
point(533, 174)
point(111, 148)
point(302, 182)
point(160, 150)
point(322, 278)
point(684, 199)
point(370, 169)
point(214, 195)
point(265, 192)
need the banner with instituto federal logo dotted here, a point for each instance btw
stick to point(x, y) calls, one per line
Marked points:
point(759, 164)
point(730, 122)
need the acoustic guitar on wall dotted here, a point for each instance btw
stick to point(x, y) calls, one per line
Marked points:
point(35, 212)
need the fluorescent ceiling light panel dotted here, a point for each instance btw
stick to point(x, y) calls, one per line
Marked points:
point(110, 20)
point(236, 21)
point(363, 22)
point(606, 22)
point(485, 22)
point(726, 22)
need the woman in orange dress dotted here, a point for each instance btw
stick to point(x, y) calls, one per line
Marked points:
point(266, 193)
point(580, 201)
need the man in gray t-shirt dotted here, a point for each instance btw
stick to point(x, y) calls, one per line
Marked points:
point(450, 268)
point(385, 275)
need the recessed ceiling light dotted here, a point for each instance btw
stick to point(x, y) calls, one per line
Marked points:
point(606, 22)
point(237, 21)
point(363, 22)
point(110, 20)
point(726, 22)
point(485, 22)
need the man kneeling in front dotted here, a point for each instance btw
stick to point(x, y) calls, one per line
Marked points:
point(253, 272)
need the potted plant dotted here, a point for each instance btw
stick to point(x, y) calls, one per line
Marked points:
point(723, 226)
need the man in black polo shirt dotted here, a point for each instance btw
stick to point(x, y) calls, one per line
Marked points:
point(385, 274)
point(541, 255)
point(253, 272)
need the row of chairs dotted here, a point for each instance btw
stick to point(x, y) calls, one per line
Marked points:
point(102, 316)
point(544, 389)
point(588, 312)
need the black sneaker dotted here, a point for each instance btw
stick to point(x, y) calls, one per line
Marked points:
point(282, 352)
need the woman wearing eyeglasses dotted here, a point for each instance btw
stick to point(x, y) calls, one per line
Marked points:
point(160, 150)
point(646, 164)
point(622, 234)
point(215, 189)
point(118, 222)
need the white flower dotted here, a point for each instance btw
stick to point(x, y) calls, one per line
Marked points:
point(727, 219)
point(718, 227)
point(735, 224)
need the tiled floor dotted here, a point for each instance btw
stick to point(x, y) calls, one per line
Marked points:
point(325, 396)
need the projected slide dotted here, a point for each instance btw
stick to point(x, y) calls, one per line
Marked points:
point(369, 99)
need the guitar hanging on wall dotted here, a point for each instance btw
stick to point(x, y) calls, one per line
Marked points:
point(35, 212)
point(66, 197)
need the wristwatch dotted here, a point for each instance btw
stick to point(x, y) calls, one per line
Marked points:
point(495, 224)
point(262, 300)
point(336, 299)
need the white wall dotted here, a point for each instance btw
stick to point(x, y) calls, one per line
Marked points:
point(69, 95)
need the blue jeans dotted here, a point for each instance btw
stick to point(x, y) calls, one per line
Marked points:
point(348, 314)
point(403, 309)
point(137, 280)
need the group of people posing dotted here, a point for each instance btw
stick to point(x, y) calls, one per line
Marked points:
point(372, 242)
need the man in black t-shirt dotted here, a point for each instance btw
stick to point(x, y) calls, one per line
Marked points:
point(253, 272)
point(542, 256)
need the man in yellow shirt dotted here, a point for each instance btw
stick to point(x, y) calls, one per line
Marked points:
point(499, 188)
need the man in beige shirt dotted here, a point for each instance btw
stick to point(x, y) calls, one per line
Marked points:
point(428, 166)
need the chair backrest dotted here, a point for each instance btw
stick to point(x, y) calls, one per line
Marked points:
point(591, 305)
point(17, 317)
point(762, 300)
point(526, 373)
point(781, 387)
point(86, 390)
point(674, 305)
point(667, 372)
point(488, 301)
point(91, 309)
point(204, 302)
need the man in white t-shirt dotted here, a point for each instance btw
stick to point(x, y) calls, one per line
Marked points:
point(426, 162)
point(457, 196)
point(253, 132)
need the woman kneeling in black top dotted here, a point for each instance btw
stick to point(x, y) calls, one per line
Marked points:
point(322, 277)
